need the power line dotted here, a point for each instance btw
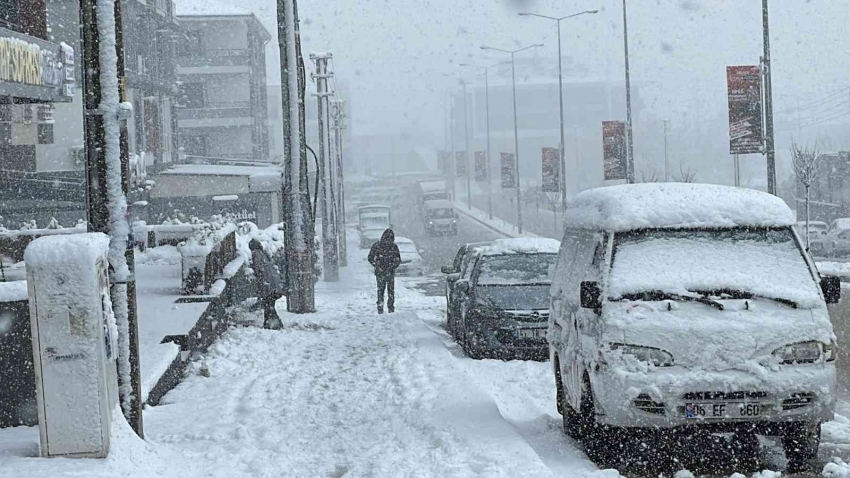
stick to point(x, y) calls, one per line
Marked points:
point(814, 104)
point(835, 116)
point(820, 113)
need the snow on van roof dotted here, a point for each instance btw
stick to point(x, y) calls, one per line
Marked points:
point(432, 185)
point(842, 223)
point(669, 205)
point(521, 245)
point(439, 203)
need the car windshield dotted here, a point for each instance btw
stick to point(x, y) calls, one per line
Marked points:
point(374, 222)
point(444, 213)
point(515, 297)
point(512, 269)
point(657, 264)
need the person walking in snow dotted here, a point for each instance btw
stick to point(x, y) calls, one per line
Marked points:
point(385, 258)
point(269, 284)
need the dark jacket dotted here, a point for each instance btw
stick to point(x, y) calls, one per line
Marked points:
point(270, 282)
point(384, 254)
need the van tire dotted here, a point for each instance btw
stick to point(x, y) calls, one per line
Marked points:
point(801, 442)
point(569, 417)
point(746, 449)
point(602, 443)
point(472, 350)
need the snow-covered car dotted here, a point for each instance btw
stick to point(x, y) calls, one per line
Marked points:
point(836, 242)
point(411, 261)
point(690, 307)
point(503, 301)
point(459, 267)
point(817, 232)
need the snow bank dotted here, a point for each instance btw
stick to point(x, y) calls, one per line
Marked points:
point(160, 255)
point(523, 245)
point(13, 291)
point(836, 468)
point(636, 206)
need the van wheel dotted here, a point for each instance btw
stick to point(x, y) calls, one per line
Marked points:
point(745, 449)
point(801, 443)
point(570, 419)
point(603, 444)
point(469, 342)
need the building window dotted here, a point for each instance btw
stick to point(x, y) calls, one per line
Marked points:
point(45, 134)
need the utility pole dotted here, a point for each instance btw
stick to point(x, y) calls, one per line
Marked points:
point(469, 170)
point(300, 298)
point(487, 114)
point(666, 168)
point(106, 161)
point(453, 155)
point(630, 156)
point(338, 117)
point(329, 246)
point(768, 105)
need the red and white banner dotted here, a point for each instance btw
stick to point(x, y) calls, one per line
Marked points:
point(614, 149)
point(745, 112)
point(480, 166)
point(551, 169)
point(508, 175)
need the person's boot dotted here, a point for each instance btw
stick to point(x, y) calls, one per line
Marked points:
point(390, 309)
point(381, 310)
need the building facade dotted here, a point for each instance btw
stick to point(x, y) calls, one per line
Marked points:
point(223, 106)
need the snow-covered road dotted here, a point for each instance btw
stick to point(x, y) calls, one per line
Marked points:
point(349, 391)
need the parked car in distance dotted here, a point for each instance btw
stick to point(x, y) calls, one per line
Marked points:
point(685, 308)
point(836, 242)
point(503, 299)
point(817, 233)
point(440, 217)
point(459, 266)
point(373, 220)
point(411, 261)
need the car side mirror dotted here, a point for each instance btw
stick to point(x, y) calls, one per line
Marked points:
point(591, 295)
point(831, 287)
point(462, 285)
point(453, 277)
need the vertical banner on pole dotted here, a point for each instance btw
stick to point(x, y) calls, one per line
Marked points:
point(508, 179)
point(614, 149)
point(551, 169)
point(443, 162)
point(480, 166)
point(743, 85)
point(460, 163)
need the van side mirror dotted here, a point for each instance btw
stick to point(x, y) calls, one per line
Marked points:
point(831, 287)
point(591, 295)
point(447, 269)
point(462, 285)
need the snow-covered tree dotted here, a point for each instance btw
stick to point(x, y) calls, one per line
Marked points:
point(806, 163)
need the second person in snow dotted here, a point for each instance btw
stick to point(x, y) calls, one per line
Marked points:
point(385, 258)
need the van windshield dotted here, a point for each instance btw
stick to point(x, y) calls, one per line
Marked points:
point(754, 262)
point(443, 213)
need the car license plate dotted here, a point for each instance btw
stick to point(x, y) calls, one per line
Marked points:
point(531, 333)
point(723, 410)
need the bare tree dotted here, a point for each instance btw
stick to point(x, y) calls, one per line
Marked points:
point(686, 175)
point(649, 174)
point(807, 164)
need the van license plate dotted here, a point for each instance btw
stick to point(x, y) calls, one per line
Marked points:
point(531, 333)
point(722, 410)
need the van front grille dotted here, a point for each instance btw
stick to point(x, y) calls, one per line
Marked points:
point(798, 400)
point(727, 396)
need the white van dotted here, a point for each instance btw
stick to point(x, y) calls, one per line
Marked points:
point(690, 308)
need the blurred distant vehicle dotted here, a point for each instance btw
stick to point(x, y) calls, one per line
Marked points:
point(373, 220)
point(817, 233)
point(411, 261)
point(429, 190)
point(836, 242)
point(440, 217)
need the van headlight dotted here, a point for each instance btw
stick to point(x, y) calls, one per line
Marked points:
point(805, 352)
point(657, 357)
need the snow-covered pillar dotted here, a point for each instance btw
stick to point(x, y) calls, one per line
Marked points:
point(105, 185)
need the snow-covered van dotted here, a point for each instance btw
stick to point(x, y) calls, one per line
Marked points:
point(690, 307)
point(373, 220)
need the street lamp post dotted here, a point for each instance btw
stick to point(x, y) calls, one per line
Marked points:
point(466, 134)
point(561, 95)
point(516, 128)
point(630, 157)
point(487, 108)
